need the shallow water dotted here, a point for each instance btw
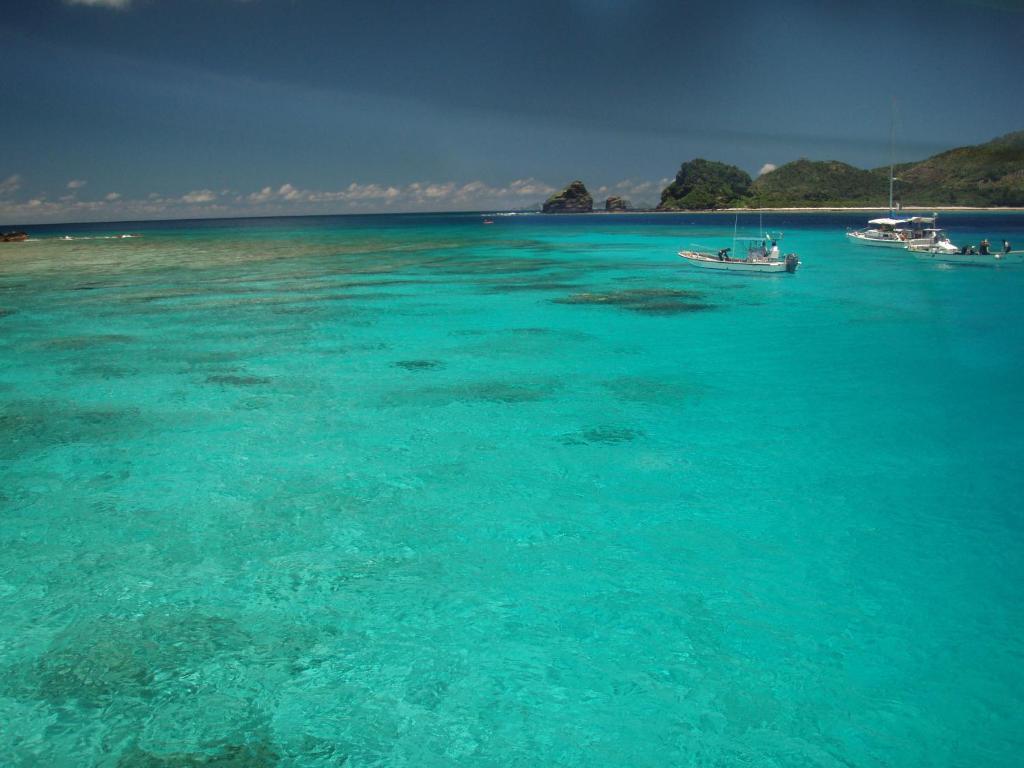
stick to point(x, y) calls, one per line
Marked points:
point(415, 491)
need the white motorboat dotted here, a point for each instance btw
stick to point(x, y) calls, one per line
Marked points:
point(940, 248)
point(944, 251)
point(931, 238)
point(894, 233)
point(760, 257)
point(934, 242)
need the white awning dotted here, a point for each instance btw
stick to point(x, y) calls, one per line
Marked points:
point(888, 222)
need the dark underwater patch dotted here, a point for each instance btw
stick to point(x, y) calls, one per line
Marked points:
point(96, 662)
point(233, 380)
point(493, 266)
point(260, 754)
point(531, 286)
point(85, 342)
point(29, 426)
point(648, 389)
point(602, 435)
point(655, 301)
point(6, 312)
point(501, 392)
point(303, 309)
point(105, 371)
point(419, 365)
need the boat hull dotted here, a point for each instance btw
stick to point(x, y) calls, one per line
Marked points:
point(988, 260)
point(705, 261)
point(857, 237)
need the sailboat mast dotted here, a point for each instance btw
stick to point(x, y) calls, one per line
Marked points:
point(892, 149)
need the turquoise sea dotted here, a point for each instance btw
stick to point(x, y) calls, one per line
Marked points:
point(419, 491)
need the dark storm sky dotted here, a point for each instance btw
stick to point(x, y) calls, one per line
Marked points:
point(165, 107)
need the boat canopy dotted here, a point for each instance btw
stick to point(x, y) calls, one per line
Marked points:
point(889, 222)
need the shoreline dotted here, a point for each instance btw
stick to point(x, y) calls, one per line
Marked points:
point(830, 209)
point(492, 212)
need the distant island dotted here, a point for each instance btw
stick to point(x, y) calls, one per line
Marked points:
point(989, 175)
point(573, 199)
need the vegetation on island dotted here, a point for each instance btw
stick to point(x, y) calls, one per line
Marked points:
point(809, 182)
point(990, 174)
point(704, 185)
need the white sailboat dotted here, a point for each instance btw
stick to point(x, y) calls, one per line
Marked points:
point(891, 232)
point(886, 232)
point(897, 233)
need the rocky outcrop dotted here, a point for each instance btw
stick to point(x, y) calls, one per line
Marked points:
point(573, 199)
point(616, 203)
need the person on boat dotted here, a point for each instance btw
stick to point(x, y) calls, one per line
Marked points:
point(1006, 246)
point(963, 250)
point(972, 251)
point(723, 255)
point(983, 248)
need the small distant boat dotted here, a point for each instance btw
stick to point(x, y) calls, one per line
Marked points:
point(760, 257)
point(488, 221)
point(13, 237)
point(944, 251)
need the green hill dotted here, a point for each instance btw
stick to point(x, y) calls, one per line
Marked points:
point(703, 185)
point(807, 182)
point(990, 174)
point(986, 174)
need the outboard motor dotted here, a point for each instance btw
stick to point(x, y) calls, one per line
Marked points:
point(791, 262)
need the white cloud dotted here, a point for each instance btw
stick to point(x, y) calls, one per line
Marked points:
point(199, 196)
point(767, 168)
point(288, 192)
point(117, 4)
point(528, 188)
point(434, 191)
point(10, 185)
point(286, 198)
point(356, 191)
point(262, 196)
point(76, 184)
